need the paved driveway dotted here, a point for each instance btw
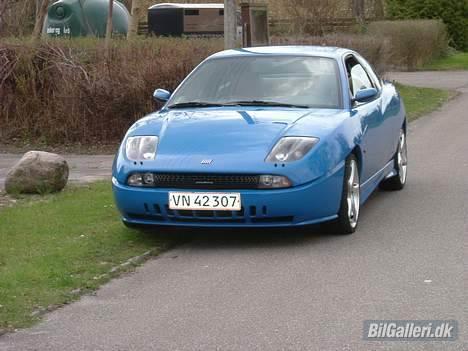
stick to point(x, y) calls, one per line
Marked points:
point(297, 290)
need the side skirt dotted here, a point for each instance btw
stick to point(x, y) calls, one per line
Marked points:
point(373, 182)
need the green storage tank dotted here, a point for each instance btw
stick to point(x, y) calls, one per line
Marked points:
point(73, 18)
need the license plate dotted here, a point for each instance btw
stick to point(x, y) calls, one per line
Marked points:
point(204, 201)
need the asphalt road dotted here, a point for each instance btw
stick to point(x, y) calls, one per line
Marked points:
point(297, 290)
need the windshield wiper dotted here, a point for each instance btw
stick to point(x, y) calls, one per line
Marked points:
point(263, 103)
point(194, 104)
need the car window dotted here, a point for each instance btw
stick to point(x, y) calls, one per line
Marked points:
point(359, 78)
point(371, 73)
point(310, 81)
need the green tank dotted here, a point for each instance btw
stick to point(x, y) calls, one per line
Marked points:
point(73, 18)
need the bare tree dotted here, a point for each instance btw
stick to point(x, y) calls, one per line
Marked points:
point(109, 26)
point(359, 10)
point(40, 16)
point(379, 9)
point(311, 16)
point(3, 4)
point(136, 13)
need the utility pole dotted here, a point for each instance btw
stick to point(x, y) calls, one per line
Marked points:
point(230, 24)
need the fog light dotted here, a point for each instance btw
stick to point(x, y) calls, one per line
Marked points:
point(148, 178)
point(136, 179)
point(274, 182)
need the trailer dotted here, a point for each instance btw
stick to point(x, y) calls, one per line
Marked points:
point(171, 19)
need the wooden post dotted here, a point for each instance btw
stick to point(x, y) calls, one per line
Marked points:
point(109, 27)
point(230, 24)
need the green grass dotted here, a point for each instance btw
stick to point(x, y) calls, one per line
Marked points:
point(67, 241)
point(456, 61)
point(420, 101)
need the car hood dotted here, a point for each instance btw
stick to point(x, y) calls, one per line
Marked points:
point(234, 139)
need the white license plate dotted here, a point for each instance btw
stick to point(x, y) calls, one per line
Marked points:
point(204, 201)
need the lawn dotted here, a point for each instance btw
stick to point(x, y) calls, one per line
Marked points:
point(420, 101)
point(57, 247)
point(53, 247)
point(456, 61)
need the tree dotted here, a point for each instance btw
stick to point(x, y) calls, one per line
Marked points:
point(136, 12)
point(3, 4)
point(359, 10)
point(311, 16)
point(40, 16)
point(109, 26)
point(379, 9)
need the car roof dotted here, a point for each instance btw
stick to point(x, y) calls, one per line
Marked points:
point(320, 51)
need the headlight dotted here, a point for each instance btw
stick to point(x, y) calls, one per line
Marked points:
point(141, 148)
point(289, 149)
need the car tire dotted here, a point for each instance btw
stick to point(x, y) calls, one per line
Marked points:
point(348, 216)
point(398, 181)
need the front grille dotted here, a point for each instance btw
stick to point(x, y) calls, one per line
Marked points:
point(205, 181)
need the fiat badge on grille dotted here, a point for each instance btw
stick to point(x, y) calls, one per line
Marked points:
point(206, 162)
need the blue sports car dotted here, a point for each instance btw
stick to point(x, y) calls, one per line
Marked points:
point(264, 137)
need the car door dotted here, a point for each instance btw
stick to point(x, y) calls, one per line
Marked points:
point(370, 114)
point(390, 108)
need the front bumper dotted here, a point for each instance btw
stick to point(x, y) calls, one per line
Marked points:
point(315, 202)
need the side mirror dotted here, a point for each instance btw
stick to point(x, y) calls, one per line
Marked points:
point(161, 95)
point(365, 95)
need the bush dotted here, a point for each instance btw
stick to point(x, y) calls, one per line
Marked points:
point(412, 42)
point(386, 44)
point(69, 92)
point(374, 49)
point(454, 13)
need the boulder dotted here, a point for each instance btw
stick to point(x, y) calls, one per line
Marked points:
point(37, 172)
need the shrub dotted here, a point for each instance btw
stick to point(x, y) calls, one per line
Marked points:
point(374, 49)
point(69, 92)
point(386, 44)
point(412, 42)
point(454, 13)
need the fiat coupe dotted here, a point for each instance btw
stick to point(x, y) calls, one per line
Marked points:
point(265, 137)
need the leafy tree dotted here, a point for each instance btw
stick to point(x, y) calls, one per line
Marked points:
point(454, 13)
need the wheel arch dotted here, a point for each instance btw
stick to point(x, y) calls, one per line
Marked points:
point(357, 152)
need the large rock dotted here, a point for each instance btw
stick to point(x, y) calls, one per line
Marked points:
point(37, 172)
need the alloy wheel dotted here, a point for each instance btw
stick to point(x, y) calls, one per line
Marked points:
point(353, 193)
point(402, 158)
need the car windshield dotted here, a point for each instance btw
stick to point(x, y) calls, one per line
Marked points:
point(264, 81)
